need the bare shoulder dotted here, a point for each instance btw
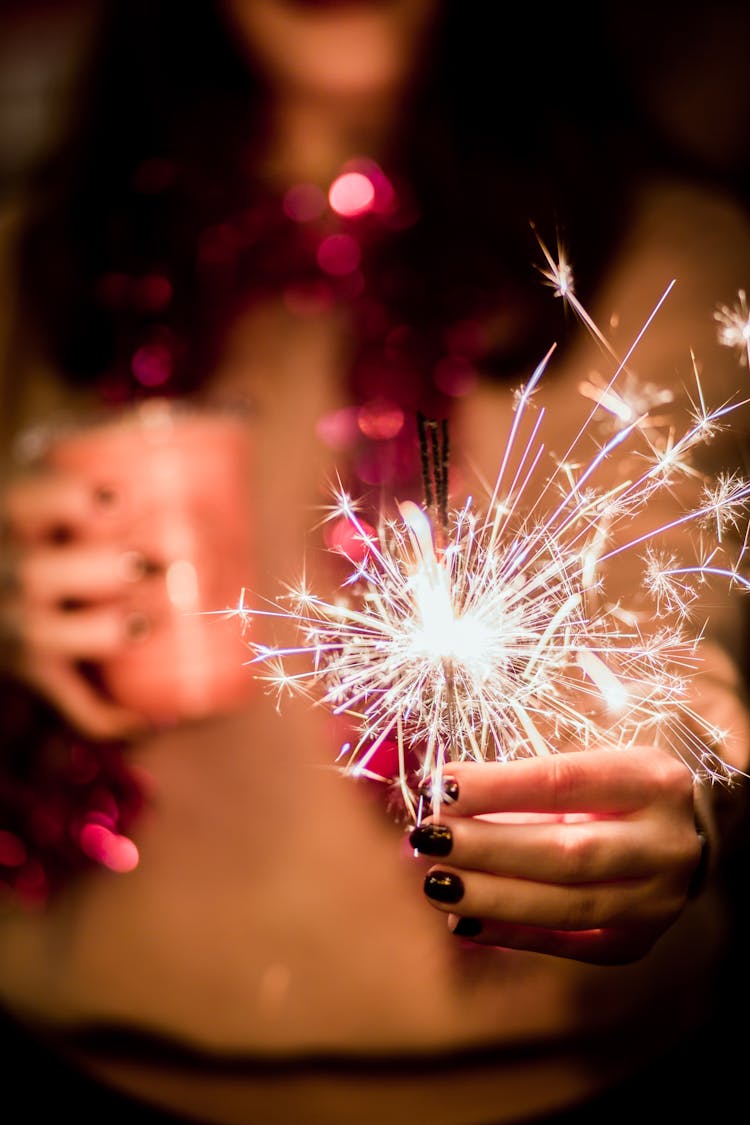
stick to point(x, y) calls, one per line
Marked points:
point(689, 245)
point(668, 312)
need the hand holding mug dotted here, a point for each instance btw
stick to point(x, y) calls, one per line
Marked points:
point(124, 546)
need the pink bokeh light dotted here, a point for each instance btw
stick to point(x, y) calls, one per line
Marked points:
point(118, 853)
point(348, 540)
point(303, 203)
point(152, 365)
point(380, 419)
point(339, 254)
point(351, 194)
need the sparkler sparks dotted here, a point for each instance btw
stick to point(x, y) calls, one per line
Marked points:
point(734, 326)
point(497, 631)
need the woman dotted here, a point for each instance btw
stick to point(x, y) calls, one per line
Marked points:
point(273, 955)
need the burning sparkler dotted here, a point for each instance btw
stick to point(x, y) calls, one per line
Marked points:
point(489, 633)
point(734, 326)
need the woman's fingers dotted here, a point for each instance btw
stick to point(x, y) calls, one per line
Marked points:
point(43, 505)
point(604, 946)
point(584, 906)
point(583, 854)
point(68, 594)
point(77, 572)
point(79, 599)
point(584, 851)
point(83, 705)
point(595, 781)
point(88, 633)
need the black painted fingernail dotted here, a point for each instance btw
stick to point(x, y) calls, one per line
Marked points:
point(450, 789)
point(137, 625)
point(467, 927)
point(432, 839)
point(444, 886)
point(133, 566)
point(106, 495)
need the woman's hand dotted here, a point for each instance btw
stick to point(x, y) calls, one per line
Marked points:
point(587, 855)
point(65, 577)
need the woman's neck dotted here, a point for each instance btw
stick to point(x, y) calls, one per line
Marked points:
point(310, 140)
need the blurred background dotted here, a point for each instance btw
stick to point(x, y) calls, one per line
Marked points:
point(683, 68)
point(42, 46)
point(683, 65)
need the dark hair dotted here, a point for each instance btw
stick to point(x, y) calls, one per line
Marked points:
point(153, 224)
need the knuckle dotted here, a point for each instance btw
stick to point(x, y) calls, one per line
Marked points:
point(672, 778)
point(657, 907)
point(636, 908)
point(578, 853)
point(565, 774)
point(583, 911)
point(682, 854)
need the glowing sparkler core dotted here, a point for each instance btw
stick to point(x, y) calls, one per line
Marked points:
point(440, 632)
point(493, 634)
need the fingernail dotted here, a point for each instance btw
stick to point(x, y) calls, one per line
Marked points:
point(444, 886)
point(450, 790)
point(106, 495)
point(136, 626)
point(133, 566)
point(432, 839)
point(467, 927)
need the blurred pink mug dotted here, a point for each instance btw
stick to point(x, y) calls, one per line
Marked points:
point(176, 479)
